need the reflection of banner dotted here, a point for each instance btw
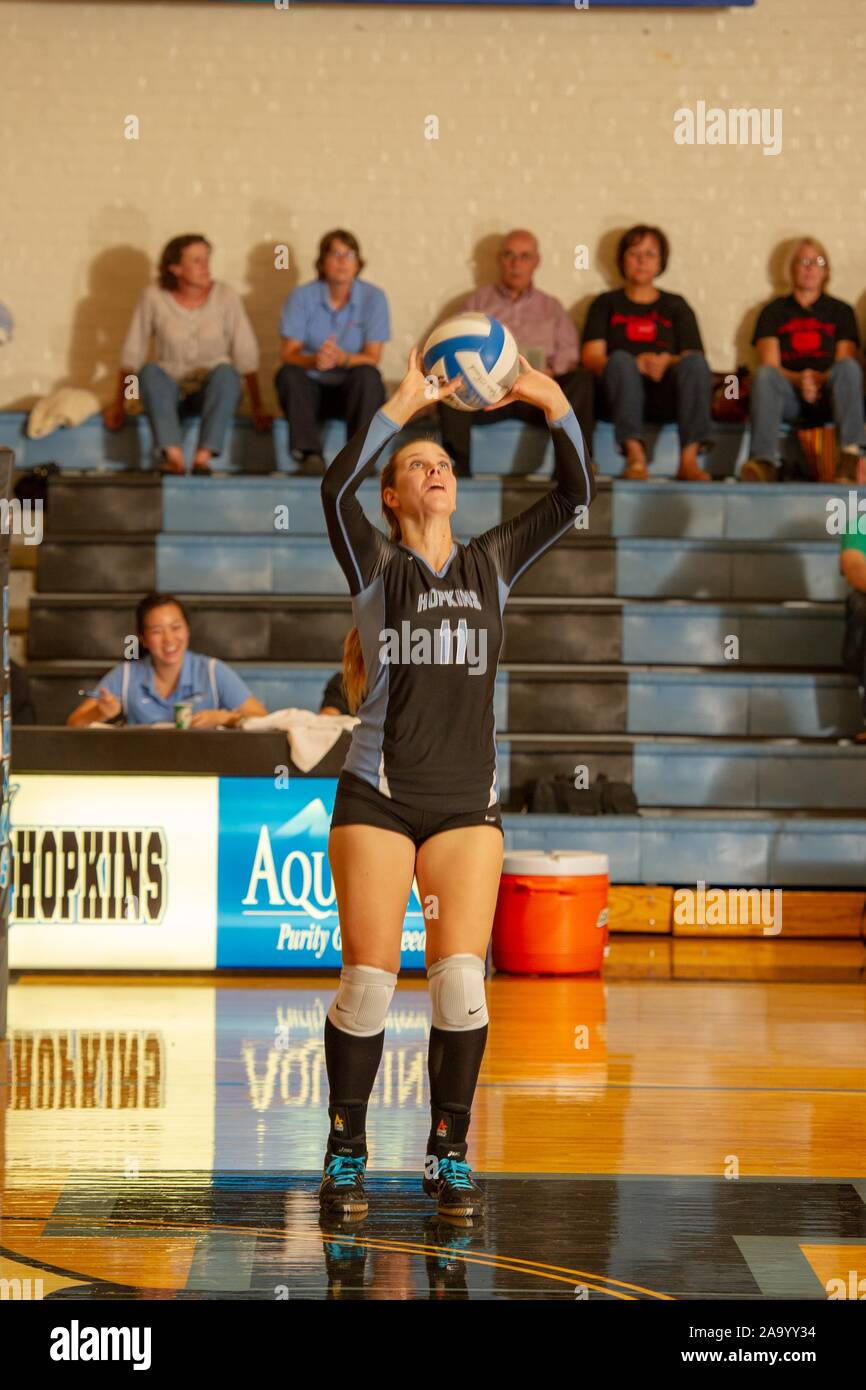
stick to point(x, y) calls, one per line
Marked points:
point(122, 1058)
point(270, 1070)
point(276, 899)
point(114, 872)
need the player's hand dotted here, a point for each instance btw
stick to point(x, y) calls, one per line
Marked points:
point(810, 386)
point(534, 388)
point(417, 391)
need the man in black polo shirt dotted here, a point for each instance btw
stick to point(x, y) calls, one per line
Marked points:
point(807, 345)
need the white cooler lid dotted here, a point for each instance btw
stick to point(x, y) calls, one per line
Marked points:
point(563, 863)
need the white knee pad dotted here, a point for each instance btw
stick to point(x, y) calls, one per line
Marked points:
point(363, 999)
point(457, 993)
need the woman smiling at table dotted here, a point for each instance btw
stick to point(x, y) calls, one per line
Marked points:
point(145, 690)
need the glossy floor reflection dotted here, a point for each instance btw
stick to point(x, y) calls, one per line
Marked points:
point(638, 1138)
point(245, 1236)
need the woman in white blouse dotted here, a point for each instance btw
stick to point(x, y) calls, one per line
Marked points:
point(203, 345)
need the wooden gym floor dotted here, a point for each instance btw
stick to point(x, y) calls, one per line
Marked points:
point(691, 1127)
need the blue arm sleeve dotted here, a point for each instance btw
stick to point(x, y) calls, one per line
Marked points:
point(361, 549)
point(518, 543)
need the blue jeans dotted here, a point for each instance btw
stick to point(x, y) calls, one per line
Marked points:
point(683, 394)
point(216, 402)
point(774, 399)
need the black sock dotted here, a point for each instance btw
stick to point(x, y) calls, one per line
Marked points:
point(352, 1063)
point(453, 1064)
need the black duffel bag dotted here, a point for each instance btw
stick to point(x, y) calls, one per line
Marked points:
point(32, 486)
point(854, 636)
point(552, 796)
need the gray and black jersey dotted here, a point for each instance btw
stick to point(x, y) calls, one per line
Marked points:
point(431, 639)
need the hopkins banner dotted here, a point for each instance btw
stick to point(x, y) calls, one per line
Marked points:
point(276, 901)
point(111, 873)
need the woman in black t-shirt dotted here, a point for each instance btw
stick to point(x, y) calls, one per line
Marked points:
point(334, 696)
point(644, 346)
point(807, 344)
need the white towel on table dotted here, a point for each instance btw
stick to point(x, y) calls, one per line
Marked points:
point(310, 735)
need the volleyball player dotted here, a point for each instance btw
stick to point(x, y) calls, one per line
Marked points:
point(419, 790)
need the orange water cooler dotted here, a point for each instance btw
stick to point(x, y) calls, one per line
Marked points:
point(551, 914)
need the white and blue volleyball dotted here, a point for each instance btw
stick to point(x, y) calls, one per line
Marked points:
point(480, 351)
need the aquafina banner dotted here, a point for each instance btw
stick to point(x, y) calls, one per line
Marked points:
point(276, 899)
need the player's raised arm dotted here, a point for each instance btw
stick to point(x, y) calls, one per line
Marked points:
point(518, 543)
point(360, 548)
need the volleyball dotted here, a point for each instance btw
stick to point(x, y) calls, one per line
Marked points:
point(480, 351)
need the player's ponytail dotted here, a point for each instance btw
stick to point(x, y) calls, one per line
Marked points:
point(354, 670)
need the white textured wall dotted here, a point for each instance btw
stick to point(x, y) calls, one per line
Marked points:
point(259, 127)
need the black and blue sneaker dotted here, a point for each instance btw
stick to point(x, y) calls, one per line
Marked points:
point(342, 1187)
point(450, 1181)
point(345, 1253)
point(449, 1238)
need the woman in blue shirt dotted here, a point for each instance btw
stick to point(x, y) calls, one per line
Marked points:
point(145, 690)
point(332, 334)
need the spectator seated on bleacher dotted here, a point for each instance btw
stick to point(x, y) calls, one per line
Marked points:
point(545, 335)
point(333, 330)
point(334, 697)
point(644, 346)
point(146, 690)
point(852, 563)
point(204, 343)
point(809, 373)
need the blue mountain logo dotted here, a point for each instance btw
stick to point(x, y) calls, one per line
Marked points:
point(312, 820)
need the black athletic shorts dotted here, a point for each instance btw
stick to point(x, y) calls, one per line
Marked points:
point(357, 803)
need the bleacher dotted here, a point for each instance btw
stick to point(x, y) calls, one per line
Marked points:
point(615, 649)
